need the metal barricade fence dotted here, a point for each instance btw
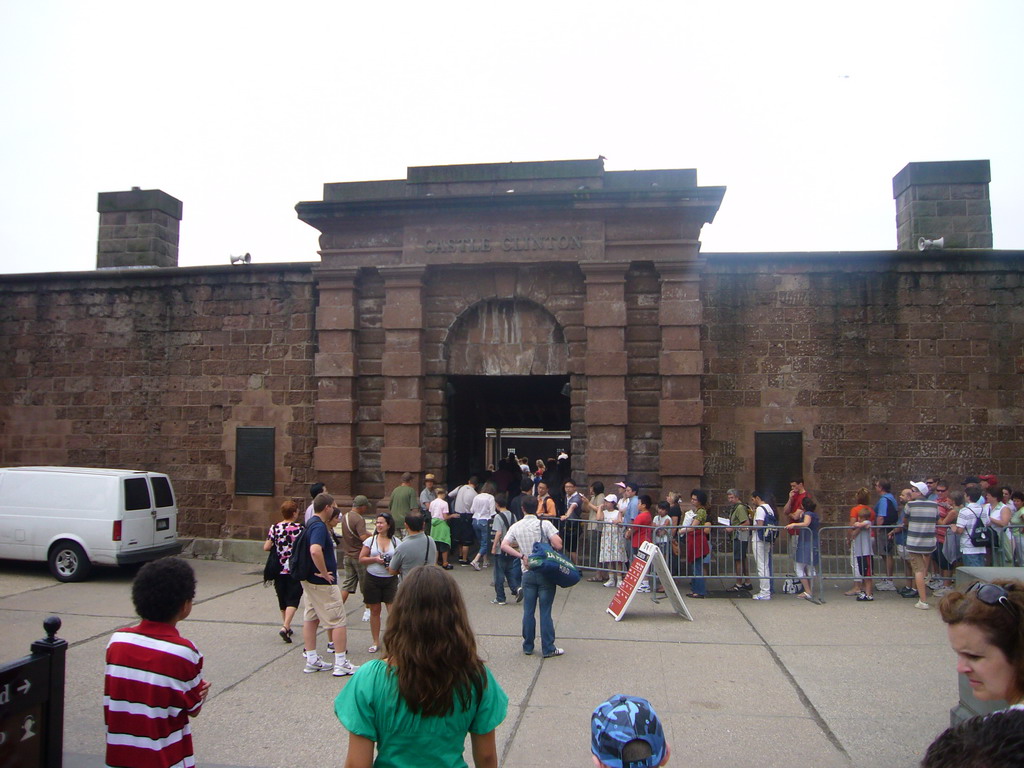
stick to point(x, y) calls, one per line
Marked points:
point(828, 553)
point(718, 565)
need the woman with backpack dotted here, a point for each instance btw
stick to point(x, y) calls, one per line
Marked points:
point(765, 534)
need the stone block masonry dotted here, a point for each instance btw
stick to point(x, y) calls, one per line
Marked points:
point(155, 370)
point(897, 367)
point(947, 200)
point(138, 228)
point(381, 358)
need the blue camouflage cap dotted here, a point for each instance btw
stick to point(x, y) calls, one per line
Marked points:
point(623, 719)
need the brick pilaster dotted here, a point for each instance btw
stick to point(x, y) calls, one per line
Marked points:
point(606, 412)
point(403, 410)
point(335, 458)
point(680, 365)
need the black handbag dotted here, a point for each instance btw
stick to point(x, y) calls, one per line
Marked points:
point(273, 567)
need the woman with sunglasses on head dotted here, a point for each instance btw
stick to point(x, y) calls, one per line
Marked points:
point(986, 630)
point(379, 584)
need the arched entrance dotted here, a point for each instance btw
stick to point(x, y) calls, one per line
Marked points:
point(507, 367)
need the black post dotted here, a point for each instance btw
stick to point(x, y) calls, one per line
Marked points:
point(56, 651)
point(32, 704)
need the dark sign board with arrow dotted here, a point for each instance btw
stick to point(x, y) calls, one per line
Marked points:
point(32, 705)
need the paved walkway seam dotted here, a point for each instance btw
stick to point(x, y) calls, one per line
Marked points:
point(805, 700)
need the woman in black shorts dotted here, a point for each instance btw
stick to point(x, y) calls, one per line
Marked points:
point(379, 586)
point(280, 538)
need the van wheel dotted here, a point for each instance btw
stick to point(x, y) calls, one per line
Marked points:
point(68, 562)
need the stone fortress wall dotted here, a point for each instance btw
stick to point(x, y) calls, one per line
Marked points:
point(898, 363)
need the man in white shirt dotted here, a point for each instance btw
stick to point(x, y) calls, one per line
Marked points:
point(974, 515)
point(462, 526)
point(314, 490)
point(524, 534)
point(482, 510)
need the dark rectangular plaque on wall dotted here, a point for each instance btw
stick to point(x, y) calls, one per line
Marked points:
point(778, 459)
point(254, 461)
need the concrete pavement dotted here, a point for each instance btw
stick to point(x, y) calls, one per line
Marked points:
point(772, 683)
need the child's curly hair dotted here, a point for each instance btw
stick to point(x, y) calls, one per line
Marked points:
point(162, 587)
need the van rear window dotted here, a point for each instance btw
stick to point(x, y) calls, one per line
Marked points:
point(162, 492)
point(136, 493)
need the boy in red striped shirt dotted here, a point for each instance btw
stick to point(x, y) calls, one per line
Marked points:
point(153, 682)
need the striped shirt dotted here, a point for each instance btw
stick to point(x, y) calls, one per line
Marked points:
point(151, 687)
point(921, 516)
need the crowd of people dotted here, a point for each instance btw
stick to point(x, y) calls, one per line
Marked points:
point(433, 688)
point(430, 682)
point(928, 527)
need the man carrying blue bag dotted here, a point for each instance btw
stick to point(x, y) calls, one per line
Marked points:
point(553, 564)
point(525, 534)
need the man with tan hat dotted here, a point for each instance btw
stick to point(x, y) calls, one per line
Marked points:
point(352, 529)
point(427, 495)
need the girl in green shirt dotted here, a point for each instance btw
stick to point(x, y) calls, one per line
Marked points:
point(417, 705)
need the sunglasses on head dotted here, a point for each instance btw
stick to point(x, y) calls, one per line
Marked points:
point(992, 594)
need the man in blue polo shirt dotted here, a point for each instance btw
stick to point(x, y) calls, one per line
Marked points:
point(323, 596)
point(886, 514)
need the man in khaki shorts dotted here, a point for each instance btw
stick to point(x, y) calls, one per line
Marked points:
point(324, 604)
point(352, 529)
point(919, 518)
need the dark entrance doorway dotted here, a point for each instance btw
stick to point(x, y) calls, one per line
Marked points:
point(478, 403)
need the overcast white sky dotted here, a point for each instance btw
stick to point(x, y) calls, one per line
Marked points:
point(803, 110)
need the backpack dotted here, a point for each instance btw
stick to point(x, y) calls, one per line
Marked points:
point(300, 563)
point(892, 514)
point(769, 520)
point(981, 534)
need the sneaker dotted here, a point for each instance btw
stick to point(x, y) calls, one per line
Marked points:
point(908, 592)
point(496, 601)
point(519, 595)
point(556, 652)
point(475, 565)
point(316, 664)
point(942, 591)
point(885, 585)
point(643, 588)
point(330, 647)
point(934, 584)
point(342, 668)
point(922, 605)
point(748, 587)
point(610, 583)
point(366, 615)
point(864, 597)
point(761, 597)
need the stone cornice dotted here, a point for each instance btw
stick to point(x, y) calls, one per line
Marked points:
point(590, 201)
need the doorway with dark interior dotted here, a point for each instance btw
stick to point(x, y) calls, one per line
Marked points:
point(476, 404)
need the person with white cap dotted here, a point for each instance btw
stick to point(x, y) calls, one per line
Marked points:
point(919, 518)
point(612, 550)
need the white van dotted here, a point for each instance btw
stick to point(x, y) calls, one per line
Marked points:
point(73, 517)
